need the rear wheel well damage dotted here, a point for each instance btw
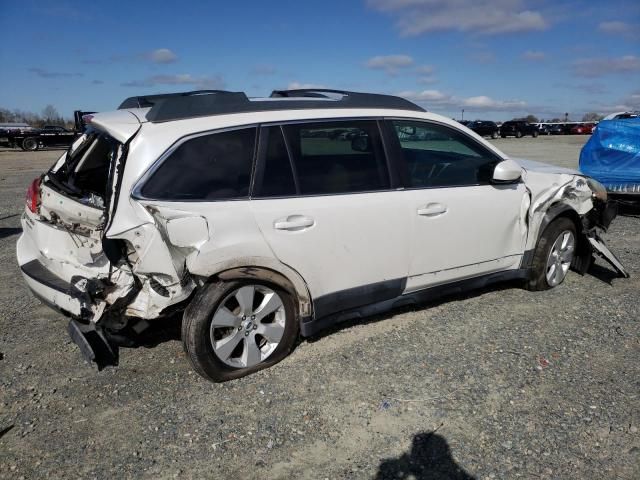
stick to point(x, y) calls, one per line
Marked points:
point(302, 299)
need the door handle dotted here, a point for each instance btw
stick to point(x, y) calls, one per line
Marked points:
point(432, 210)
point(293, 223)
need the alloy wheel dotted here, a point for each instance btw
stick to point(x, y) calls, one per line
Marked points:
point(247, 326)
point(560, 258)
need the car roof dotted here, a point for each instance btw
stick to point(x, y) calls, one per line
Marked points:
point(202, 103)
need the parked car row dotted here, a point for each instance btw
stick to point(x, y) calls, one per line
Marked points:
point(520, 128)
point(567, 129)
point(514, 128)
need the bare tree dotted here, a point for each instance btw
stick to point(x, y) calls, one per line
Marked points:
point(592, 117)
point(50, 114)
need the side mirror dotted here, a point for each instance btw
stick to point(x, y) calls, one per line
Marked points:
point(360, 143)
point(507, 171)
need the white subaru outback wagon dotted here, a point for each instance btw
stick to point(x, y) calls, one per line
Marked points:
point(259, 219)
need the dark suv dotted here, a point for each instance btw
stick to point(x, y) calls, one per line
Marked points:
point(485, 128)
point(517, 128)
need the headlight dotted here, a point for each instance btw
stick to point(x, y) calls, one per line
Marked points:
point(599, 192)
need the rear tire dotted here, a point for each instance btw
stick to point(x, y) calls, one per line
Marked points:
point(534, 134)
point(30, 144)
point(225, 336)
point(552, 259)
point(518, 134)
point(494, 135)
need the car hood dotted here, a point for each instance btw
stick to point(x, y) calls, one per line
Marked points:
point(540, 167)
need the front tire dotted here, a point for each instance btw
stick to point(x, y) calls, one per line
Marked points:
point(235, 328)
point(30, 144)
point(534, 134)
point(518, 134)
point(494, 135)
point(553, 255)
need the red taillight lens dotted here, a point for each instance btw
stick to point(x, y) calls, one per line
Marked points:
point(33, 195)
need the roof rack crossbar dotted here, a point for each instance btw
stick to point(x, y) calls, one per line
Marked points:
point(145, 101)
point(310, 92)
point(201, 103)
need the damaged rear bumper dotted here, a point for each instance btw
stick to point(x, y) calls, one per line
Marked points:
point(67, 299)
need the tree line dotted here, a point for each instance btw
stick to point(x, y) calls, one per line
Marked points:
point(48, 116)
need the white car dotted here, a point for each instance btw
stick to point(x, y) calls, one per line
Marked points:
point(258, 221)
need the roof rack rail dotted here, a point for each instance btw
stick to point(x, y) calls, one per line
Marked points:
point(350, 99)
point(201, 103)
point(150, 100)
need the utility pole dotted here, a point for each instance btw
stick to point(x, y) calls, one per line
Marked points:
point(462, 115)
point(566, 117)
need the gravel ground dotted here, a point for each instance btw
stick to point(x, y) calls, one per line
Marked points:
point(500, 383)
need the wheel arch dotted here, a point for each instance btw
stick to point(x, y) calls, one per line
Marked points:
point(266, 270)
point(582, 259)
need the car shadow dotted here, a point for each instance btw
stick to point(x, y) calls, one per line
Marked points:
point(429, 458)
point(7, 232)
point(446, 298)
point(605, 275)
point(158, 331)
point(629, 209)
point(169, 329)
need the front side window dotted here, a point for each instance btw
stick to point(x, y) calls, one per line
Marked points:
point(337, 157)
point(209, 167)
point(439, 156)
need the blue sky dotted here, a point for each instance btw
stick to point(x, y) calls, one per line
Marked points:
point(496, 59)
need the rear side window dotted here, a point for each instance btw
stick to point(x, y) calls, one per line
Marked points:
point(337, 157)
point(438, 156)
point(275, 178)
point(210, 167)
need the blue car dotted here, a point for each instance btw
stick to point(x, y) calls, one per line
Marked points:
point(612, 156)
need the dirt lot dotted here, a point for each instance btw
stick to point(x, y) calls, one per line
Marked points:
point(501, 383)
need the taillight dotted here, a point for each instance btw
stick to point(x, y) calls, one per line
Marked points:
point(33, 195)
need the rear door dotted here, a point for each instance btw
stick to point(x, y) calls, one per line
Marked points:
point(461, 225)
point(324, 200)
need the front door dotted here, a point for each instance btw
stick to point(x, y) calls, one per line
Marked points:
point(462, 224)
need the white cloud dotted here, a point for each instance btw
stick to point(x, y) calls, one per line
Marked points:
point(489, 17)
point(614, 27)
point(598, 67)
point(425, 69)
point(435, 99)
point(206, 82)
point(427, 79)
point(162, 55)
point(44, 73)
point(483, 102)
point(533, 55)
point(629, 103)
point(389, 63)
point(303, 86)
